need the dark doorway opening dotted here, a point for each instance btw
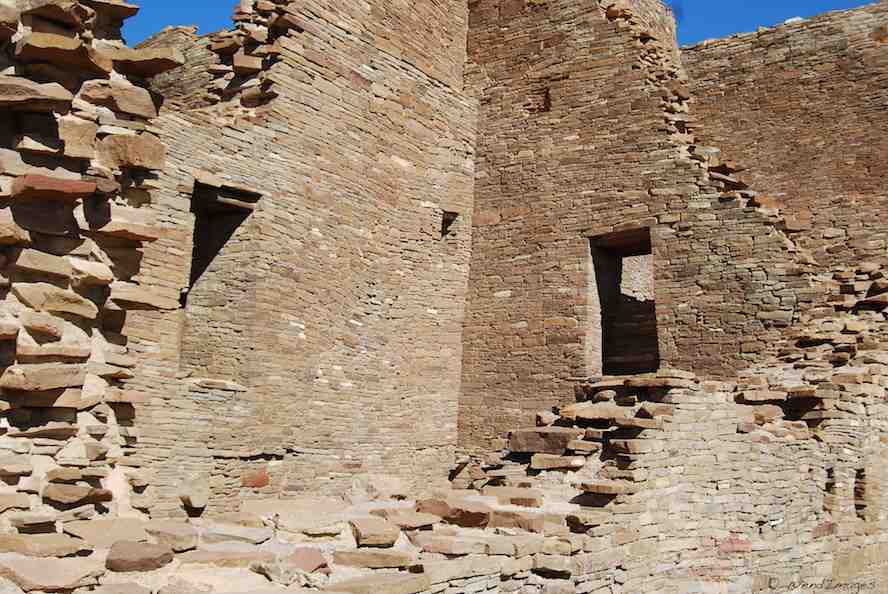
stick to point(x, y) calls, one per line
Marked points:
point(217, 215)
point(624, 316)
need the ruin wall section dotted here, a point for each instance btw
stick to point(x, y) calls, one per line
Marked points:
point(803, 107)
point(337, 305)
point(583, 133)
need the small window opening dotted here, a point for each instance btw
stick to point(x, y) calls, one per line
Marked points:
point(829, 490)
point(622, 337)
point(447, 221)
point(860, 493)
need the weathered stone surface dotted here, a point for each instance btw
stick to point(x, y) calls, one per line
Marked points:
point(44, 376)
point(127, 556)
point(145, 62)
point(544, 440)
point(120, 96)
point(101, 534)
point(75, 494)
point(41, 187)
point(65, 52)
point(390, 584)
point(65, 12)
point(20, 94)
point(469, 514)
point(515, 496)
point(142, 152)
point(78, 136)
point(129, 293)
point(179, 536)
point(215, 532)
point(373, 558)
point(40, 262)
point(10, 501)
point(42, 545)
point(409, 519)
point(91, 273)
point(49, 575)
point(374, 532)
point(46, 297)
point(10, 232)
point(117, 10)
point(12, 466)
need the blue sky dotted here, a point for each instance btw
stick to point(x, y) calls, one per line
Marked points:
point(698, 19)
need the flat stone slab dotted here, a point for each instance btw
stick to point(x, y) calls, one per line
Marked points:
point(42, 545)
point(389, 584)
point(50, 575)
point(102, 534)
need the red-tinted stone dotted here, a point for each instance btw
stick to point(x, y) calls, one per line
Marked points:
point(51, 188)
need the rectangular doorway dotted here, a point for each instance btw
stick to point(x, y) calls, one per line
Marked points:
point(622, 332)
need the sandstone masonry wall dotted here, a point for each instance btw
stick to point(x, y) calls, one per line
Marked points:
point(583, 133)
point(803, 107)
point(341, 296)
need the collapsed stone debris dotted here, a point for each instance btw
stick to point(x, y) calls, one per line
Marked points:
point(441, 297)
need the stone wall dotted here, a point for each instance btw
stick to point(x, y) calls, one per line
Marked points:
point(803, 107)
point(584, 132)
point(340, 299)
point(78, 171)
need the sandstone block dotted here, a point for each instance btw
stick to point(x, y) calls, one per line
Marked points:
point(120, 96)
point(89, 273)
point(545, 440)
point(42, 545)
point(43, 376)
point(101, 534)
point(46, 297)
point(215, 532)
point(228, 555)
point(19, 94)
point(373, 558)
point(449, 544)
point(65, 12)
point(115, 10)
point(145, 62)
point(390, 584)
point(141, 152)
point(245, 65)
point(12, 466)
point(35, 261)
point(41, 187)
point(10, 232)
point(179, 536)
point(528, 521)
point(49, 575)
point(515, 496)
point(78, 137)
point(461, 512)
point(127, 556)
point(75, 494)
point(61, 51)
point(10, 501)
point(374, 532)
point(130, 293)
point(552, 462)
point(409, 519)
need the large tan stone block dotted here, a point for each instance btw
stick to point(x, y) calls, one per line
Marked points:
point(20, 94)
